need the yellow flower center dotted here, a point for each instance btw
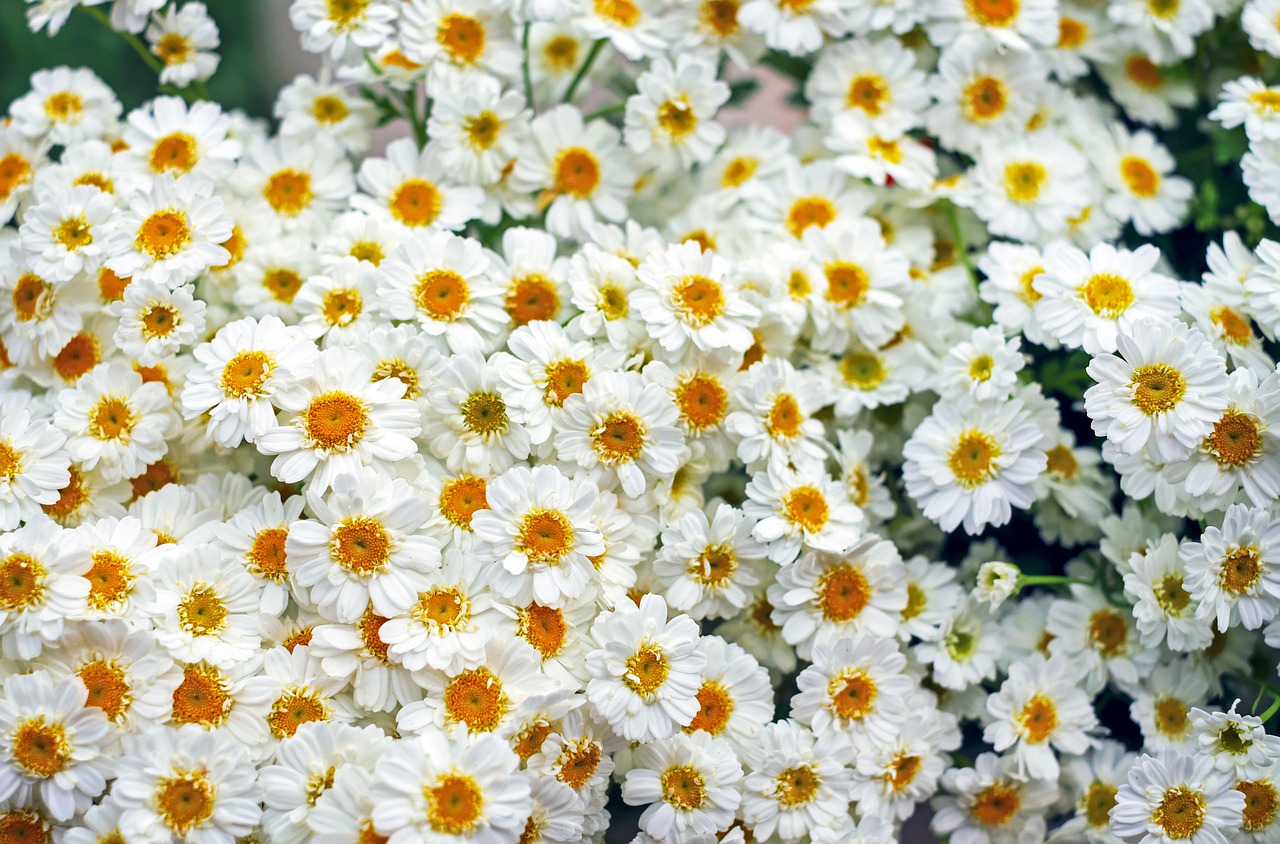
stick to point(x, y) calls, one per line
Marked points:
point(1140, 177)
point(15, 171)
point(806, 507)
point(244, 375)
point(1144, 72)
point(63, 105)
point(1235, 440)
point(579, 765)
point(684, 787)
point(715, 705)
point(442, 294)
point(1038, 719)
point(463, 38)
point(577, 173)
point(369, 251)
point(1157, 388)
point(720, 16)
point(647, 670)
point(996, 804)
point(202, 612)
point(869, 92)
point(110, 579)
point(482, 130)
point(361, 545)
point(40, 748)
point(843, 593)
point(335, 421)
point(699, 300)
point(1171, 717)
point(1108, 633)
point(111, 419)
point(442, 608)
point(454, 804)
point(532, 298)
point(973, 459)
point(288, 192)
point(108, 686)
point(32, 298)
point(853, 694)
point(808, 212)
point(903, 771)
point(74, 233)
point(461, 497)
point(1024, 180)
point(544, 628)
point(1072, 33)
point(416, 202)
point(847, 284)
point(619, 438)
point(715, 566)
point(163, 234)
point(625, 13)
point(996, 13)
point(1241, 570)
point(173, 48)
point(484, 414)
point(185, 801)
point(1097, 802)
point(329, 109)
point(203, 697)
point(475, 698)
point(346, 13)
point(737, 171)
point(342, 307)
point(984, 99)
point(1260, 804)
point(293, 709)
point(1180, 813)
point(677, 118)
point(785, 418)
point(546, 536)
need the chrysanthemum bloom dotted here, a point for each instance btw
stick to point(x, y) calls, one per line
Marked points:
point(645, 669)
point(799, 784)
point(172, 232)
point(1040, 711)
point(690, 785)
point(1172, 797)
point(1233, 572)
point(1162, 393)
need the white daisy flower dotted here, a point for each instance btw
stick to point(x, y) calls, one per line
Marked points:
point(1093, 781)
point(671, 117)
point(964, 648)
point(122, 554)
point(342, 29)
point(735, 700)
point(932, 593)
point(801, 508)
point(687, 298)
point(44, 316)
point(1099, 637)
point(824, 597)
point(986, 367)
point(689, 783)
point(1164, 610)
point(34, 467)
point(1161, 394)
point(1040, 711)
point(185, 40)
point(1019, 26)
point(622, 427)
point(776, 424)
point(982, 94)
point(538, 529)
point(343, 812)
point(1029, 189)
point(645, 670)
point(450, 789)
point(300, 184)
point(53, 743)
point(168, 136)
point(973, 462)
point(578, 168)
point(1166, 34)
point(171, 232)
point(1250, 102)
point(205, 608)
point(876, 81)
point(1137, 169)
point(798, 786)
point(115, 422)
point(461, 36)
point(452, 619)
point(1237, 743)
point(1233, 572)
point(156, 321)
point(865, 282)
point(64, 106)
point(891, 778)
point(797, 30)
point(247, 365)
point(989, 802)
point(443, 282)
point(1224, 318)
point(471, 426)
point(478, 126)
point(307, 106)
point(637, 30)
point(884, 160)
point(412, 188)
point(1172, 797)
point(708, 562)
point(68, 232)
point(22, 159)
point(339, 421)
point(362, 547)
point(176, 783)
point(855, 686)
point(356, 652)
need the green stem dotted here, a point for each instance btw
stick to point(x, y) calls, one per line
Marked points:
point(528, 78)
point(582, 71)
point(1271, 710)
point(961, 245)
point(417, 121)
point(606, 111)
point(134, 41)
point(1050, 580)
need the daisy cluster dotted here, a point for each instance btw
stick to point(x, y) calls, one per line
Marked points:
point(582, 457)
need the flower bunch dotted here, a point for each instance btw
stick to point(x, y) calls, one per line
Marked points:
point(512, 441)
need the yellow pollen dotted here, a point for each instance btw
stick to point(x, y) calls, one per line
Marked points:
point(342, 307)
point(532, 298)
point(853, 694)
point(808, 212)
point(485, 414)
point(369, 251)
point(785, 420)
point(647, 670)
point(329, 109)
point(1107, 295)
point(185, 801)
point(985, 98)
point(1171, 717)
point(684, 787)
point(81, 354)
point(917, 600)
point(973, 458)
point(1024, 180)
point(806, 507)
point(163, 234)
point(475, 698)
point(266, 556)
point(1140, 177)
point(1157, 388)
point(244, 375)
point(843, 593)
point(335, 421)
point(715, 705)
point(577, 173)
point(15, 171)
point(282, 283)
point(619, 438)
point(980, 368)
point(996, 804)
point(1144, 72)
point(885, 150)
point(33, 298)
point(454, 804)
point(561, 53)
point(416, 202)
point(869, 92)
point(720, 16)
point(293, 709)
point(402, 372)
point(738, 170)
point(461, 497)
point(463, 38)
point(715, 566)
point(442, 608)
point(904, 771)
point(288, 192)
point(345, 14)
point(1072, 33)
point(482, 131)
point(1062, 462)
point(624, 13)
point(40, 748)
point(677, 118)
point(1180, 813)
point(1234, 327)
point(361, 545)
point(202, 612)
point(579, 765)
point(1241, 570)
point(847, 284)
point(613, 302)
point(862, 370)
point(110, 580)
point(994, 13)
point(442, 294)
point(1236, 439)
point(74, 233)
point(564, 378)
point(111, 419)
point(1038, 719)
point(1260, 804)
point(1163, 8)
point(544, 628)
point(1108, 633)
point(699, 300)
point(1266, 100)
point(1098, 802)
point(546, 536)
point(369, 625)
point(173, 48)
point(10, 461)
point(63, 105)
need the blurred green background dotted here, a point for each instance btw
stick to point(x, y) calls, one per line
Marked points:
point(85, 42)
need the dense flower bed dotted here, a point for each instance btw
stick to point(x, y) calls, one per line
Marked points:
point(572, 461)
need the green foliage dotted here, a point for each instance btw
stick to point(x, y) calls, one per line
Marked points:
point(84, 42)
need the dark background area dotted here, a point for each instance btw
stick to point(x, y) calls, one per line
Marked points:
point(84, 42)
